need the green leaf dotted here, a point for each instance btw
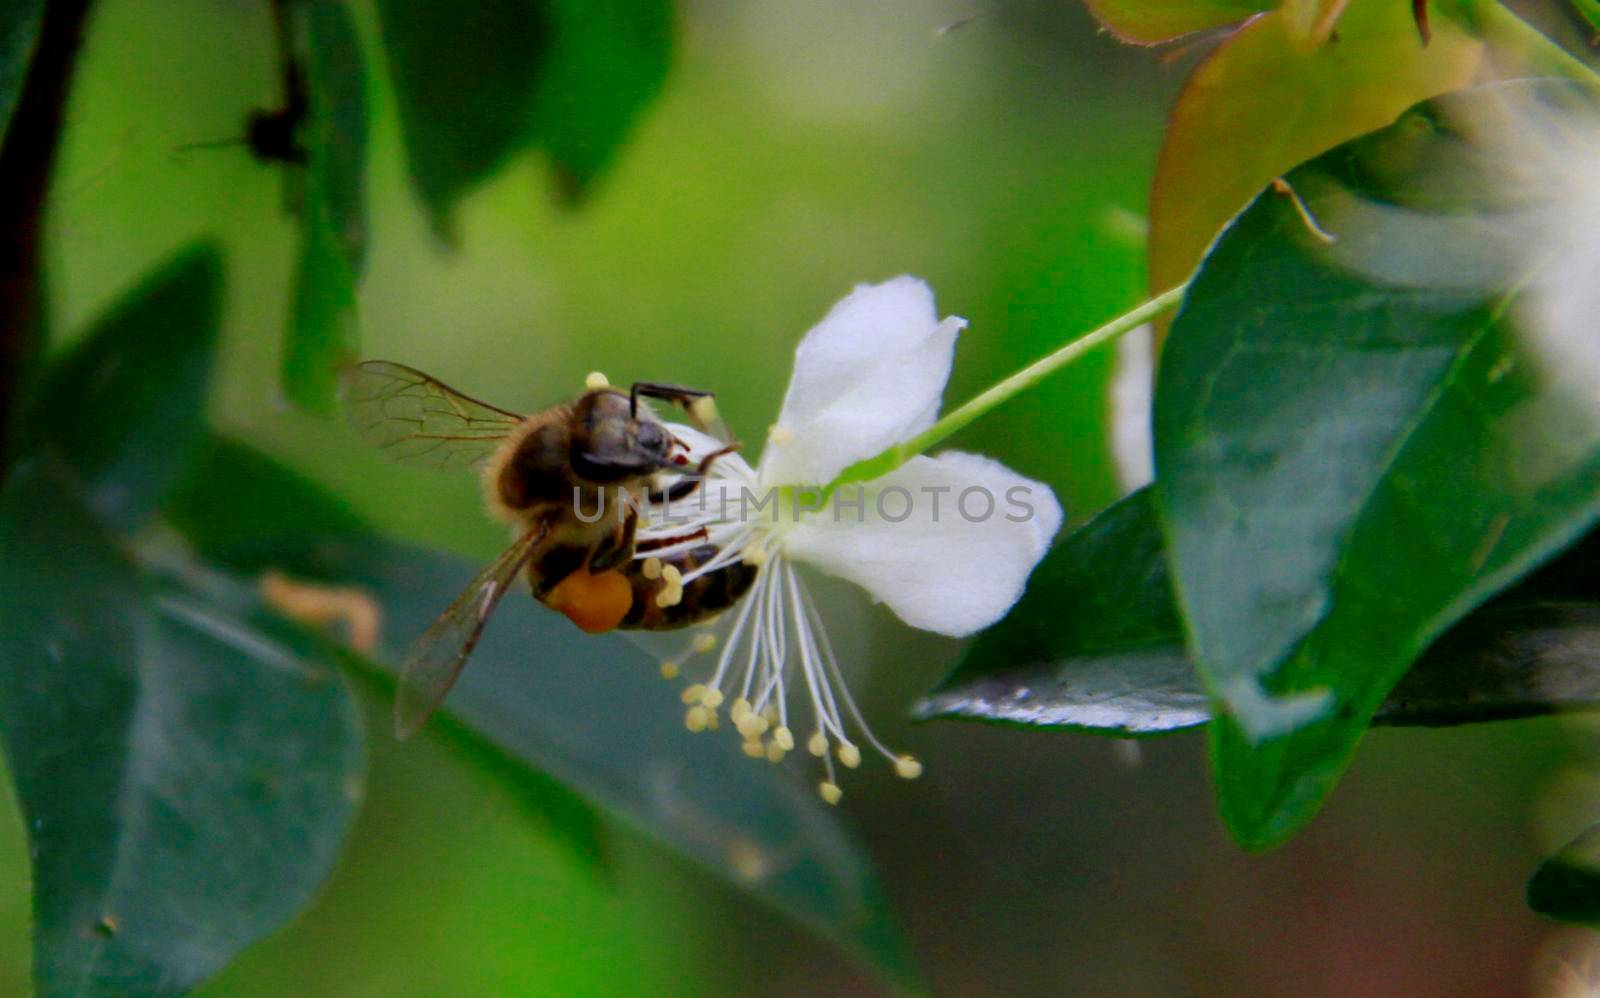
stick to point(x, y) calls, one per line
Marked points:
point(1263, 102)
point(1354, 447)
point(235, 502)
point(1589, 10)
point(478, 82)
point(1567, 885)
point(324, 332)
point(243, 510)
point(186, 777)
point(593, 712)
point(1150, 22)
point(19, 35)
point(336, 78)
point(126, 408)
point(465, 78)
point(1096, 645)
point(608, 61)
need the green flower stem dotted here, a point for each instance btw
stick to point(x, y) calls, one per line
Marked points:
point(958, 418)
point(1492, 23)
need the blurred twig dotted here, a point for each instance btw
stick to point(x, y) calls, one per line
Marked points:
point(274, 133)
point(25, 167)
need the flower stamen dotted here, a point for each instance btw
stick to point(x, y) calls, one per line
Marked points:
point(773, 637)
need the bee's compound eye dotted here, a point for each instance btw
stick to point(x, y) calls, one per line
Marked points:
point(651, 437)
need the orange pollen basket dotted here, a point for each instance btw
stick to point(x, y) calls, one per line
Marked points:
point(596, 603)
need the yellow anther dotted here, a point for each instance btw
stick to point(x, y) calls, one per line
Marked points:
point(651, 569)
point(780, 435)
point(596, 380)
point(697, 718)
point(751, 725)
point(671, 595)
point(754, 555)
point(711, 720)
point(712, 699)
point(774, 752)
point(830, 791)
point(817, 745)
point(849, 755)
point(672, 575)
point(907, 768)
point(783, 738)
point(740, 708)
point(704, 410)
point(753, 748)
point(693, 694)
point(669, 669)
point(704, 643)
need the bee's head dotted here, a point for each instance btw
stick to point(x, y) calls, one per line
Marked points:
point(611, 441)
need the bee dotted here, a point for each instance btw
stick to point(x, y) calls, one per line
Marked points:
point(545, 475)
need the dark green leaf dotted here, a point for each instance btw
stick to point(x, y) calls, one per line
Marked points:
point(186, 777)
point(593, 712)
point(1095, 645)
point(465, 78)
point(126, 408)
point(478, 82)
point(1567, 885)
point(241, 508)
point(324, 333)
point(1354, 447)
point(608, 62)
point(337, 88)
point(244, 510)
point(19, 34)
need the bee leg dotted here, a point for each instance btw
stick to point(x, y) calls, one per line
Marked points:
point(701, 406)
point(616, 549)
point(676, 394)
point(685, 486)
point(657, 543)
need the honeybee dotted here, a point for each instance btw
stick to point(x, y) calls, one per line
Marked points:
point(538, 473)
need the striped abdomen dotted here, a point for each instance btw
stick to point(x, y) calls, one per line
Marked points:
point(703, 597)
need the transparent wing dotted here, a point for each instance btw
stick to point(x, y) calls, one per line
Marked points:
point(438, 656)
point(420, 420)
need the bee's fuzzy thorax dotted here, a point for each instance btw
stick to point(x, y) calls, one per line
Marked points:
point(494, 470)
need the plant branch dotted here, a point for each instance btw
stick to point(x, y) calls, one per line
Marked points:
point(26, 163)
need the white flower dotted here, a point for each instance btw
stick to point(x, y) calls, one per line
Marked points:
point(946, 542)
point(1549, 152)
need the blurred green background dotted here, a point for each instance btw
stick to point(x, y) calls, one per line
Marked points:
point(799, 147)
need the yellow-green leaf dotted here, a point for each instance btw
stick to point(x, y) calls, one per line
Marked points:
point(1148, 22)
point(1262, 103)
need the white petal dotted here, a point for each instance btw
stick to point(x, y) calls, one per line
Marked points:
point(954, 565)
point(868, 376)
